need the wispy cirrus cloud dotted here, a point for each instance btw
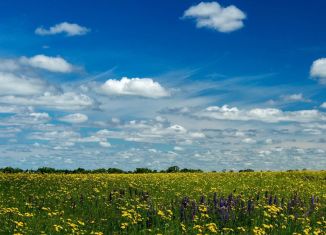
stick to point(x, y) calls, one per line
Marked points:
point(296, 97)
point(14, 109)
point(70, 29)
point(25, 119)
point(61, 101)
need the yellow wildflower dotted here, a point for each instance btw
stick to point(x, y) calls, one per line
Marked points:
point(212, 227)
point(124, 225)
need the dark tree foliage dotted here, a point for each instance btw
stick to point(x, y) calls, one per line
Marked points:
point(11, 170)
point(143, 170)
point(173, 169)
point(80, 170)
point(247, 170)
point(47, 170)
point(186, 170)
point(115, 170)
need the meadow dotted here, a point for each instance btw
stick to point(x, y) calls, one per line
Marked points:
point(164, 203)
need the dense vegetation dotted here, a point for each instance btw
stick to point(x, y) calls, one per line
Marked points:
point(182, 203)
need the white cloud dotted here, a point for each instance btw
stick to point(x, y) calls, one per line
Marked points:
point(67, 138)
point(314, 126)
point(64, 101)
point(323, 105)
point(318, 70)
point(24, 119)
point(177, 129)
point(178, 148)
point(53, 64)
point(212, 15)
point(270, 115)
point(151, 131)
point(15, 109)
point(74, 118)
point(11, 84)
point(144, 87)
point(90, 139)
point(69, 29)
point(105, 144)
point(9, 132)
point(197, 135)
point(40, 116)
point(55, 135)
point(249, 141)
point(295, 98)
point(8, 65)
point(269, 141)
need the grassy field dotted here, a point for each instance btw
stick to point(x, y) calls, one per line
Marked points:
point(203, 203)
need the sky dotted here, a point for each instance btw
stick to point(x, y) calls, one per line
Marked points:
point(126, 84)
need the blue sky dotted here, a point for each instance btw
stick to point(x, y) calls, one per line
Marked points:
point(211, 85)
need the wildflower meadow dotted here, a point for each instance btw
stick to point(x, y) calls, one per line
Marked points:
point(163, 203)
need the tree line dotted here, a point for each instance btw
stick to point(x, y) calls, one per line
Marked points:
point(171, 169)
point(50, 170)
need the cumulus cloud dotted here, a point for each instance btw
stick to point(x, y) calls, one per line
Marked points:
point(323, 105)
point(70, 29)
point(52, 64)
point(74, 118)
point(11, 84)
point(144, 87)
point(318, 70)
point(64, 101)
point(214, 16)
point(270, 115)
